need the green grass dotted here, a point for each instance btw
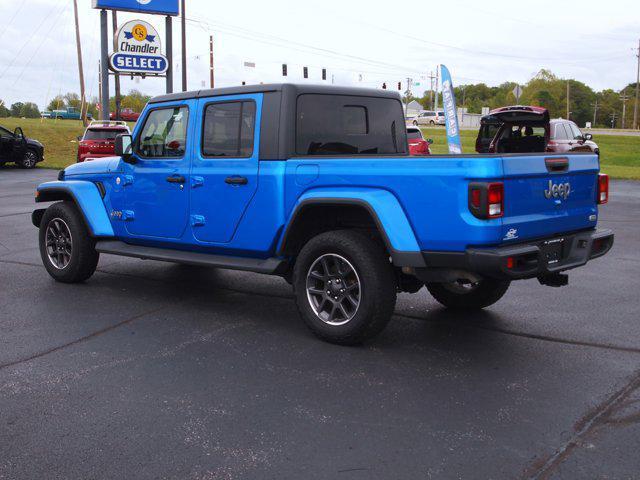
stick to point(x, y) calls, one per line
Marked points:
point(59, 137)
point(619, 155)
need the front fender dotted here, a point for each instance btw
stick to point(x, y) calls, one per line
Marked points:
point(87, 198)
point(386, 211)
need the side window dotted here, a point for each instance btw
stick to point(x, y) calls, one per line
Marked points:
point(349, 125)
point(164, 134)
point(228, 129)
point(575, 131)
point(560, 133)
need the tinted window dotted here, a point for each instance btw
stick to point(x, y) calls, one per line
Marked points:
point(560, 133)
point(164, 134)
point(103, 134)
point(340, 124)
point(228, 129)
point(487, 132)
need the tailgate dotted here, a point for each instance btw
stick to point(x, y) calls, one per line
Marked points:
point(547, 195)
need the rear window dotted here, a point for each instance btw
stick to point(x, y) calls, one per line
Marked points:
point(103, 133)
point(349, 125)
point(414, 134)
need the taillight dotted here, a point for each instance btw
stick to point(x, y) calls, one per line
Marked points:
point(486, 200)
point(603, 188)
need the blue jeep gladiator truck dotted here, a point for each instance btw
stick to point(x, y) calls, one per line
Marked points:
point(315, 184)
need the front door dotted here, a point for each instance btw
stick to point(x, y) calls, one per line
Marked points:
point(6, 145)
point(156, 185)
point(19, 145)
point(224, 172)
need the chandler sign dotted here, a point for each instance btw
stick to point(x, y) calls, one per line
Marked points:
point(138, 50)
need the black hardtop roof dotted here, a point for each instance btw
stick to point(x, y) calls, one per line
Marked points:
point(288, 88)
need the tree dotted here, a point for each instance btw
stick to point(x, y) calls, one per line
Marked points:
point(15, 109)
point(4, 111)
point(57, 103)
point(30, 110)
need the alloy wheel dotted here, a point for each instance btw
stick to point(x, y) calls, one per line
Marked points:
point(30, 159)
point(59, 243)
point(333, 289)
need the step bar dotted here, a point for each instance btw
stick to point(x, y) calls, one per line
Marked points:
point(116, 247)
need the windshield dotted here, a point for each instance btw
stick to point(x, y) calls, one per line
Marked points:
point(103, 133)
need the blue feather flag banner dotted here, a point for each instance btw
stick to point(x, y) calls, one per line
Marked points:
point(450, 112)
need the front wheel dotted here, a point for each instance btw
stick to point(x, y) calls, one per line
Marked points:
point(468, 296)
point(67, 250)
point(344, 286)
point(29, 160)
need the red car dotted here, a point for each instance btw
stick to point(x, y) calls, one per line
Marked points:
point(417, 144)
point(126, 114)
point(525, 129)
point(99, 139)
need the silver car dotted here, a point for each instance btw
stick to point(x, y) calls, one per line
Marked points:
point(429, 118)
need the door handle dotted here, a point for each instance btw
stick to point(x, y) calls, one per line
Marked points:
point(236, 180)
point(175, 179)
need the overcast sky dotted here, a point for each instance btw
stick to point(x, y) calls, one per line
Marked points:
point(358, 42)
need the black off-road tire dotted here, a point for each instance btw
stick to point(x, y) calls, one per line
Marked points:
point(30, 160)
point(83, 258)
point(486, 292)
point(376, 291)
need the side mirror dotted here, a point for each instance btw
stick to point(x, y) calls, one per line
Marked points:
point(79, 138)
point(587, 136)
point(429, 141)
point(123, 147)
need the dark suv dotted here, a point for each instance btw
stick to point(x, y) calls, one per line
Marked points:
point(15, 147)
point(526, 129)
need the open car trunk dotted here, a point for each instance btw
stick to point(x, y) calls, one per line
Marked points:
point(517, 129)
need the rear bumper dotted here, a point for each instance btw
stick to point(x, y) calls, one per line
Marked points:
point(527, 260)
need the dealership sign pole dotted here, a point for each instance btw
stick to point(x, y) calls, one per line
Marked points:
point(138, 44)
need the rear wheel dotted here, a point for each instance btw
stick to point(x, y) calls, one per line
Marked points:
point(344, 286)
point(67, 250)
point(468, 296)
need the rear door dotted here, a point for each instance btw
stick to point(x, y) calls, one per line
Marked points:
point(224, 173)
point(547, 195)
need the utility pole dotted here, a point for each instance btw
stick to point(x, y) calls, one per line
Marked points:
point(435, 107)
point(624, 97)
point(432, 77)
point(568, 102)
point(407, 93)
point(211, 60)
point(114, 22)
point(613, 119)
point(83, 109)
point(635, 106)
point(184, 48)
point(595, 113)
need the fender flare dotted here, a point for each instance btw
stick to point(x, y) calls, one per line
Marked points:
point(86, 196)
point(384, 208)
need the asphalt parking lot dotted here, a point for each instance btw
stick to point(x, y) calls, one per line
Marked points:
point(153, 370)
